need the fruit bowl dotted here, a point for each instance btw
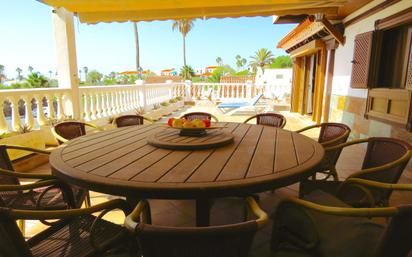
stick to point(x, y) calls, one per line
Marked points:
point(194, 128)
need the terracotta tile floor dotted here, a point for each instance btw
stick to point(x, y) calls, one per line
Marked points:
point(228, 210)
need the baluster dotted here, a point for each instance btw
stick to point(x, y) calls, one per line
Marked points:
point(86, 107)
point(50, 107)
point(60, 107)
point(108, 103)
point(92, 97)
point(116, 102)
point(103, 105)
point(15, 117)
point(99, 108)
point(28, 109)
point(41, 118)
point(3, 122)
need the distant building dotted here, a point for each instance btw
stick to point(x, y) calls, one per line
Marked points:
point(274, 77)
point(210, 69)
point(168, 72)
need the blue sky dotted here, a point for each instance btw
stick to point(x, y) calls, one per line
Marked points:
point(27, 39)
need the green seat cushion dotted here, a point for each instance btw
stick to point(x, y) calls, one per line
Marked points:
point(327, 235)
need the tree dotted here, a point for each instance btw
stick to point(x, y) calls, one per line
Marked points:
point(219, 61)
point(50, 74)
point(184, 26)
point(240, 62)
point(86, 70)
point(136, 40)
point(262, 58)
point(30, 68)
point(186, 72)
point(2, 75)
point(283, 61)
point(35, 79)
point(19, 71)
point(94, 77)
point(219, 72)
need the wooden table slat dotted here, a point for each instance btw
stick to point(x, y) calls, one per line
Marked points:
point(136, 166)
point(211, 168)
point(159, 169)
point(106, 143)
point(285, 157)
point(264, 157)
point(238, 164)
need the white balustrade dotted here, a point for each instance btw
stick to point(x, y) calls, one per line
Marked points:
point(103, 101)
point(13, 102)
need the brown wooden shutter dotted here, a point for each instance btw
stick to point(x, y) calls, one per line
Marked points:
point(408, 81)
point(361, 60)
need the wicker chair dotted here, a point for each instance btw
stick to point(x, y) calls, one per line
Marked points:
point(77, 233)
point(331, 134)
point(129, 120)
point(322, 225)
point(218, 241)
point(200, 116)
point(269, 119)
point(44, 194)
point(68, 130)
point(384, 161)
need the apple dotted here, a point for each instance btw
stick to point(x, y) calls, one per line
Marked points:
point(207, 123)
point(170, 122)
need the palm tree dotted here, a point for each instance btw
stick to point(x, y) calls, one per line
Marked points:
point(187, 72)
point(86, 70)
point(19, 71)
point(219, 61)
point(184, 26)
point(50, 74)
point(30, 68)
point(2, 76)
point(240, 62)
point(262, 58)
point(136, 39)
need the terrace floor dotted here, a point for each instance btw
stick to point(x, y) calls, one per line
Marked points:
point(229, 210)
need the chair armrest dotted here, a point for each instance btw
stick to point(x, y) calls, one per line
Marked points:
point(131, 221)
point(249, 119)
point(343, 211)
point(93, 126)
point(343, 145)
point(70, 213)
point(255, 208)
point(376, 184)
point(307, 128)
point(28, 149)
point(35, 185)
point(405, 158)
point(11, 173)
point(58, 137)
point(148, 119)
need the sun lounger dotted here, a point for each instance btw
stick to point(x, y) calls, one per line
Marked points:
point(230, 107)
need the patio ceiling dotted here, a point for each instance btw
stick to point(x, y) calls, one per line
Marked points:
point(95, 11)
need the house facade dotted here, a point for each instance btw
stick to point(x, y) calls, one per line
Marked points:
point(357, 70)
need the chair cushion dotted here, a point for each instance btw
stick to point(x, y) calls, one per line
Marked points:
point(330, 235)
point(71, 238)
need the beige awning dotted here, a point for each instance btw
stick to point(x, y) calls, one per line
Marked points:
point(94, 11)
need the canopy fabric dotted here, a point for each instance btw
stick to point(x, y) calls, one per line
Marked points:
point(95, 11)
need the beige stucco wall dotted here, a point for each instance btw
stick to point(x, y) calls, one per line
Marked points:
point(347, 104)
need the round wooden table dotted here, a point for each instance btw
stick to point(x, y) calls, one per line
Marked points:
point(121, 162)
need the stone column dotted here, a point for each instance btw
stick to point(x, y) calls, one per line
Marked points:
point(64, 34)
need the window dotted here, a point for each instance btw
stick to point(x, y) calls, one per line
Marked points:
point(382, 63)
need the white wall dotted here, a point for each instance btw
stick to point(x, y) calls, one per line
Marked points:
point(344, 54)
point(269, 77)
